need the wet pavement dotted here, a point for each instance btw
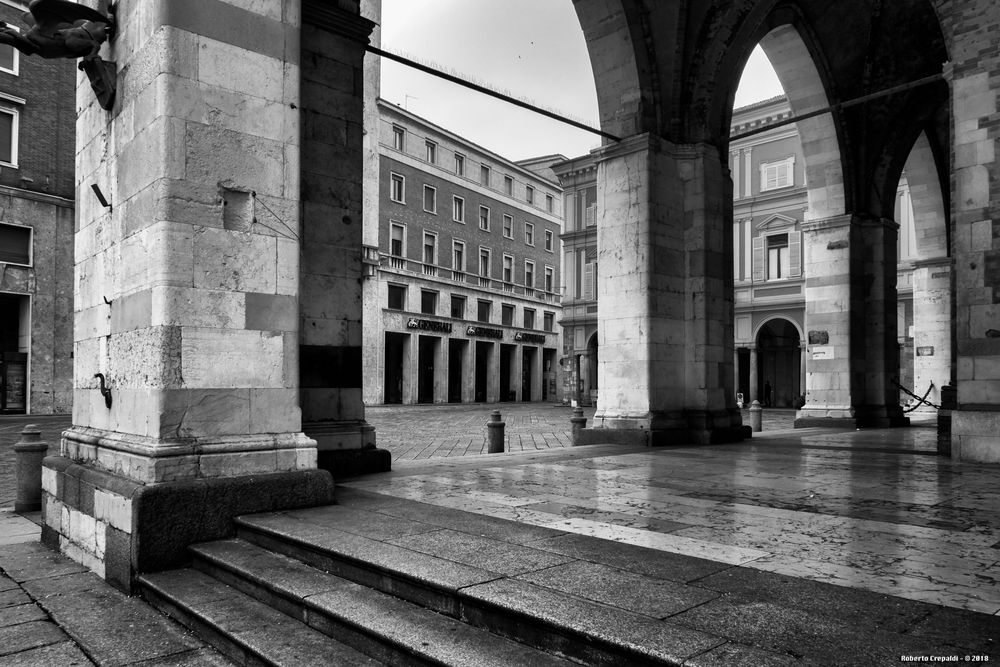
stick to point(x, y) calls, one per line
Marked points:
point(875, 509)
point(410, 432)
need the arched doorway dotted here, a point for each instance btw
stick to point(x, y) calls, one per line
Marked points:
point(779, 363)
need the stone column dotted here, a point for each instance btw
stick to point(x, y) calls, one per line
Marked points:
point(537, 376)
point(875, 342)
point(411, 369)
point(850, 320)
point(665, 322)
point(187, 290)
point(469, 372)
point(333, 160)
point(976, 239)
point(441, 355)
point(517, 374)
point(828, 296)
point(493, 376)
point(736, 369)
point(931, 330)
point(803, 366)
point(754, 377)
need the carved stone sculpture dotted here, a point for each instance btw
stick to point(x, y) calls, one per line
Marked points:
point(64, 29)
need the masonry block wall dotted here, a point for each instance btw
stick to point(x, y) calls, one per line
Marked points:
point(974, 73)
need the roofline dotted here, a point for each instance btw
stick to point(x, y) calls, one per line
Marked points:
point(395, 108)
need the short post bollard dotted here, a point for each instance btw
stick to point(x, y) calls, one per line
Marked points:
point(755, 412)
point(494, 428)
point(29, 452)
point(579, 422)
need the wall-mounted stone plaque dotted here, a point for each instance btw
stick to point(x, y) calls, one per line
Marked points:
point(819, 337)
point(927, 351)
point(822, 352)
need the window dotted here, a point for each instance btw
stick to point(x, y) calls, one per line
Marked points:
point(549, 240)
point(484, 262)
point(484, 175)
point(397, 191)
point(458, 209)
point(508, 269)
point(430, 248)
point(777, 256)
point(428, 302)
point(529, 273)
point(508, 185)
point(397, 234)
point(507, 315)
point(8, 135)
point(774, 175)
point(398, 138)
point(430, 199)
point(458, 256)
point(508, 227)
point(529, 194)
point(15, 244)
point(459, 164)
point(549, 203)
point(484, 218)
point(397, 297)
point(457, 306)
point(432, 149)
point(548, 321)
point(550, 279)
point(483, 312)
point(529, 318)
point(529, 234)
point(9, 56)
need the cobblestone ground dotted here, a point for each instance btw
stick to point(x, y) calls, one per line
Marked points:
point(410, 432)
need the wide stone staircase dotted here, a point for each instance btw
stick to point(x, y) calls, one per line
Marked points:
point(380, 580)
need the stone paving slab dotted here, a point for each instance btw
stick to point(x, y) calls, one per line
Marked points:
point(54, 611)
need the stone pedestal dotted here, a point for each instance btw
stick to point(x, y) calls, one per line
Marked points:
point(188, 290)
point(665, 323)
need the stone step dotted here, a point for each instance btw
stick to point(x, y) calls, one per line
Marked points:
point(554, 621)
point(247, 631)
point(386, 628)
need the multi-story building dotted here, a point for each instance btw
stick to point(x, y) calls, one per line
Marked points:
point(769, 203)
point(37, 121)
point(579, 314)
point(466, 272)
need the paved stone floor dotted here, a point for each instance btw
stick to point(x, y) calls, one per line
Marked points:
point(410, 432)
point(873, 509)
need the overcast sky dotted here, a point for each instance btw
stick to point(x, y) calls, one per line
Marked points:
point(532, 49)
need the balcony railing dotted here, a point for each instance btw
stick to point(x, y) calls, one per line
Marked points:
point(404, 265)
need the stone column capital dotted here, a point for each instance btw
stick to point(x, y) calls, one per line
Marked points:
point(653, 143)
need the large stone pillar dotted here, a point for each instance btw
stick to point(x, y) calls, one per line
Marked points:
point(931, 330)
point(850, 320)
point(754, 377)
point(333, 215)
point(665, 325)
point(976, 238)
point(187, 290)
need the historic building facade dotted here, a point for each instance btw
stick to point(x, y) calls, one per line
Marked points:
point(579, 322)
point(37, 120)
point(769, 202)
point(463, 295)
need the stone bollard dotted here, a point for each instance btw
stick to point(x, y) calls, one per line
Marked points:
point(579, 423)
point(494, 428)
point(755, 413)
point(29, 452)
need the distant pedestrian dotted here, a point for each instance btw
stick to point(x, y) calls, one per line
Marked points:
point(767, 394)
